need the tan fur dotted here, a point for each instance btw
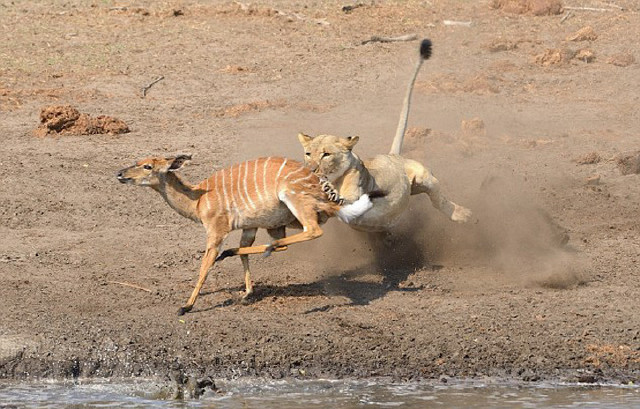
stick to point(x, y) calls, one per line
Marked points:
point(333, 157)
point(398, 177)
point(265, 193)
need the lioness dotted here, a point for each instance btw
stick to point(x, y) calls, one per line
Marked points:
point(333, 157)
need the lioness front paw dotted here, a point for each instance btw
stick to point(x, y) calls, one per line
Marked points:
point(461, 214)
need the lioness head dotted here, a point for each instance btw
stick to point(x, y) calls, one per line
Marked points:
point(328, 155)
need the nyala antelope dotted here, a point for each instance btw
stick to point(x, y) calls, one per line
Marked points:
point(267, 193)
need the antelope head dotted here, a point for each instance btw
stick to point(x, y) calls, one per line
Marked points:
point(149, 171)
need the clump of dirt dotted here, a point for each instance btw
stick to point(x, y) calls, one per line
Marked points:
point(531, 7)
point(588, 158)
point(131, 11)
point(585, 55)
point(416, 136)
point(472, 137)
point(584, 34)
point(473, 126)
point(477, 84)
point(67, 120)
point(235, 111)
point(416, 141)
point(608, 354)
point(501, 44)
point(629, 164)
point(554, 56)
point(621, 59)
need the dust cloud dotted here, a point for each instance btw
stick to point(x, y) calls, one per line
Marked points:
point(512, 241)
point(515, 241)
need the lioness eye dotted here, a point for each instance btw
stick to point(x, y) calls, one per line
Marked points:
point(324, 155)
point(308, 153)
point(148, 167)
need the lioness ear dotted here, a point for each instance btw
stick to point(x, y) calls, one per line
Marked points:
point(350, 141)
point(178, 162)
point(304, 139)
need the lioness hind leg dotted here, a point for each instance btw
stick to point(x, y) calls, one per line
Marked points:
point(423, 181)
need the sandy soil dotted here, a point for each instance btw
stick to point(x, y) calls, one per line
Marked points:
point(524, 118)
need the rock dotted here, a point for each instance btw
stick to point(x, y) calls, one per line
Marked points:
point(554, 56)
point(500, 44)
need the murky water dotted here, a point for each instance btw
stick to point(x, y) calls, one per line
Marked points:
point(321, 394)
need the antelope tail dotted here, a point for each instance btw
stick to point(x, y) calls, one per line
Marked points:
point(356, 209)
point(425, 53)
point(347, 213)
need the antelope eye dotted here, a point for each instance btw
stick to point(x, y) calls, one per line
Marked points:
point(148, 167)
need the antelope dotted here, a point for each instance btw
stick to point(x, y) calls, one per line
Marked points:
point(268, 193)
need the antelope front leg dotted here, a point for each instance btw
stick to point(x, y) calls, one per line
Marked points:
point(207, 262)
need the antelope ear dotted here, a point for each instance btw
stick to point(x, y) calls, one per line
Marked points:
point(350, 141)
point(304, 139)
point(178, 162)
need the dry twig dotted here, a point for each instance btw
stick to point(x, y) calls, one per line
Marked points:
point(379, 39)
point(566, 16)
point(457, 23)
point(350, 8)
point(130, 285)
point(586, 8)
point(151, 84)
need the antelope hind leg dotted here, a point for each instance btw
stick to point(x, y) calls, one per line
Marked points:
point(248, 250)
point(246, 240)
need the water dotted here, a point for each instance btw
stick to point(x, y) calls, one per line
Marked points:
point(321, 394)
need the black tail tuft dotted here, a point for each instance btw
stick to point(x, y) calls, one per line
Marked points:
point(425, 49)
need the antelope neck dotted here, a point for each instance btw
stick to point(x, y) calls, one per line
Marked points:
point(180, 195)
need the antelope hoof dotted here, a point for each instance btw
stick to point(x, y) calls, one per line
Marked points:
point(269, 250)
point(225, 254)
point(184, 310)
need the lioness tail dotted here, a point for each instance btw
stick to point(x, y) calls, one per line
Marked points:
point(425, 53)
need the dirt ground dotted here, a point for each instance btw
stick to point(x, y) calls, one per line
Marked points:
point(524, 118)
